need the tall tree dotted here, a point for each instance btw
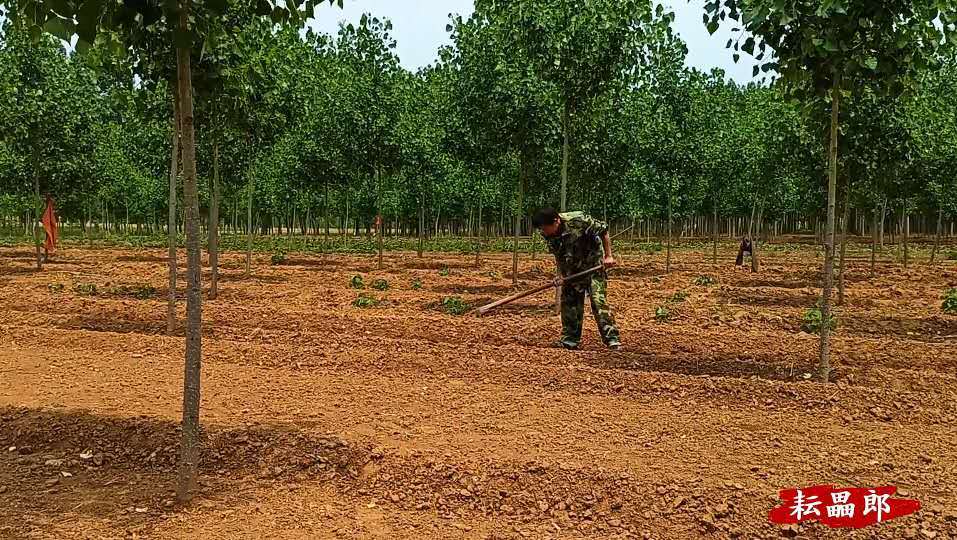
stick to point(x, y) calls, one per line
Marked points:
point(819, 47)
point(124, 23)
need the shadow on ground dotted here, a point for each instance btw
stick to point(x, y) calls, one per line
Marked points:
point(122, 470)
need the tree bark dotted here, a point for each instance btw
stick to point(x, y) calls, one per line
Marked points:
point(478, 236)
point(874, 241)
point(251, 231)
point(825, 352)
point(37, 204)
point(844, 222)
point(518, 217)
point(421, 224)
point(379, 211)
point(883, 219)
point(326, 212)
point(714, 224)
point(214, 228)
point(668, 255)
point(191, 381)
point(173, 174)
point(566, 127)
point(905, 231)
point(755, 265)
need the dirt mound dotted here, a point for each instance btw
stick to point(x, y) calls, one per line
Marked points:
point(148, 444)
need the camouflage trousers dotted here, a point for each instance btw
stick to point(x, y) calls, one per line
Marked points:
point(573, 311)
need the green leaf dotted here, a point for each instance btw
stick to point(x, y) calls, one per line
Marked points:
point(754, 72)
point(748, 46)
point(712, 27)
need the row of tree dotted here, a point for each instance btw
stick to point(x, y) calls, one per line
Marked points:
point(326, 132)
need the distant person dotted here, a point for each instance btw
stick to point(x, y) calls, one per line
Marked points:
point(743, 251)
point(50, 227)
point(580, 242)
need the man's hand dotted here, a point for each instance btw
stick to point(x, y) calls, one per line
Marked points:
point(609, 262)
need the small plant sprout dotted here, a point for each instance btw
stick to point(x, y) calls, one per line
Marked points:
point(85, 289)
point(416, 284)
point(454, 305)
point(950, 302)
point(365, 301)
point(662, 314)
point(813, 321)
point(357, 283)
point(380, 285)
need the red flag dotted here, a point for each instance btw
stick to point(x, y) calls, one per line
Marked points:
point(49, 225)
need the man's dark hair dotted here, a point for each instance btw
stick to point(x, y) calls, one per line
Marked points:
point(545, 216)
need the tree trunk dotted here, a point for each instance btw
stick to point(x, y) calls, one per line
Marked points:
point(346, 221)
point(191, 381)
point(874, 240)
point(905, 232)
point(844, 222)
point(214, 228)
point(251, 231)
point(379, 211)
point(37, 204)
point(883, 219)
point(714, 224)
point(938, 233)
point(173, 174)
point(421, 224)
point(825, 353)
point(325, 203)
point(757, 238)
point(478, 237)
point(566, 127)
point(518, 217)
point(668, 255)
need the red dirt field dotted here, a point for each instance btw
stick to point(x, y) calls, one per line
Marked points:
point(326, 420)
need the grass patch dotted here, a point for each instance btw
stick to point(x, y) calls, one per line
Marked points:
point(678, 296)
point(140, 292)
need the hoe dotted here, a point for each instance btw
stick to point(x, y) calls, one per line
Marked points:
point(557, 282)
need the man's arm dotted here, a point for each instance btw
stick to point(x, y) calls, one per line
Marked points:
point(609, 259)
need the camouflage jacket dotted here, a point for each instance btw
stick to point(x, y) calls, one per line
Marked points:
point(577, 247)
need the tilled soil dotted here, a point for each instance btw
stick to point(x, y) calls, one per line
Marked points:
point(326, 420)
